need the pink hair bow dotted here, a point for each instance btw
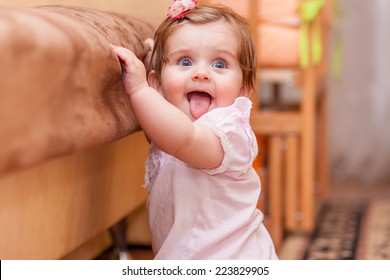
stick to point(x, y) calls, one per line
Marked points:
point(179, 7)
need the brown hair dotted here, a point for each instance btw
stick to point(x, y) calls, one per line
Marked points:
point(205, 14)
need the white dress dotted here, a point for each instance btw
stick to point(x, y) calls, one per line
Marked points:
point(209, 214)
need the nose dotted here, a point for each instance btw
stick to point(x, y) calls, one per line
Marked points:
point(201, 74)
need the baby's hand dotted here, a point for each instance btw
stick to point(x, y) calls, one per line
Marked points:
point(134, 77)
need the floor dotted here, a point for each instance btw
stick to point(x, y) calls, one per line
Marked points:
point(291, 248)
point(358, 190)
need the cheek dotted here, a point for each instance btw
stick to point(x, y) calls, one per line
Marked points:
point(170, 92)
point(232, 85)
point(229, 95)
point(169, 80)
point(168, 88)
point(172, 84)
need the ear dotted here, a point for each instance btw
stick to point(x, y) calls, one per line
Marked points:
point(153, 81)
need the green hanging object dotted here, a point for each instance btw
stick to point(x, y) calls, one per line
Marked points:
point(304, 46)
point(308, 11)
point(336, 57)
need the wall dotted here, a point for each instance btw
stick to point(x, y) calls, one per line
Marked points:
point(360, 99)
point(154, 8)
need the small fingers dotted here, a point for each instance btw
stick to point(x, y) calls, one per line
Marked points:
point(150, 43)
point(121, 58)
point(122, 53)
point(126, 57)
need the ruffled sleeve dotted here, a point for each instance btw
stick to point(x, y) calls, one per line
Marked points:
point(238, 141)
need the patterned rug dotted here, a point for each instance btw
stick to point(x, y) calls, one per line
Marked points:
point(374, 243)
point(346, 230)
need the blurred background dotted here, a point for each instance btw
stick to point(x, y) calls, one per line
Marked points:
point(360, 95)
point(154, 8)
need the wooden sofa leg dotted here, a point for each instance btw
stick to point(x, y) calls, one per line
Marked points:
point(118, 235)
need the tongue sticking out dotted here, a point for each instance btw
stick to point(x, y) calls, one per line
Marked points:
point(199, 104)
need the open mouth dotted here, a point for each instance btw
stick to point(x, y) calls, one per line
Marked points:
point(199, 103)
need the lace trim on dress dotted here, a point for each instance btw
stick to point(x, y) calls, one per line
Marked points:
point(152, 166)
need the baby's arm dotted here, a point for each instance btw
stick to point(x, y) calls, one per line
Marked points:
point(168, 127)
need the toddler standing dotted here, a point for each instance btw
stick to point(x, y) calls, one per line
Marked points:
point(195, 110)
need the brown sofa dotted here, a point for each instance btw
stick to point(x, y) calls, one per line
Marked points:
point(60, 83)
point(68, 169)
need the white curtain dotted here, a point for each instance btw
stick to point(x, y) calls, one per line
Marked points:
point(360, 99)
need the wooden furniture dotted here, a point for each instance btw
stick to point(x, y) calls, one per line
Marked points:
point(297, 138)
point(50, 209)
point(69, 166)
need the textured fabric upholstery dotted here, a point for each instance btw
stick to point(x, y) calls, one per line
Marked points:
point(60, 83)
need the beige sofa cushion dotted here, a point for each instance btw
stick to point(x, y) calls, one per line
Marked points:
point(60, 83)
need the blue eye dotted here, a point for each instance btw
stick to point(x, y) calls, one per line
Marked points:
point(185, 62)
point(219, 64)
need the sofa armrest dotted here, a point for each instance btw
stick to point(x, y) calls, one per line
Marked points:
point(60, 82)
